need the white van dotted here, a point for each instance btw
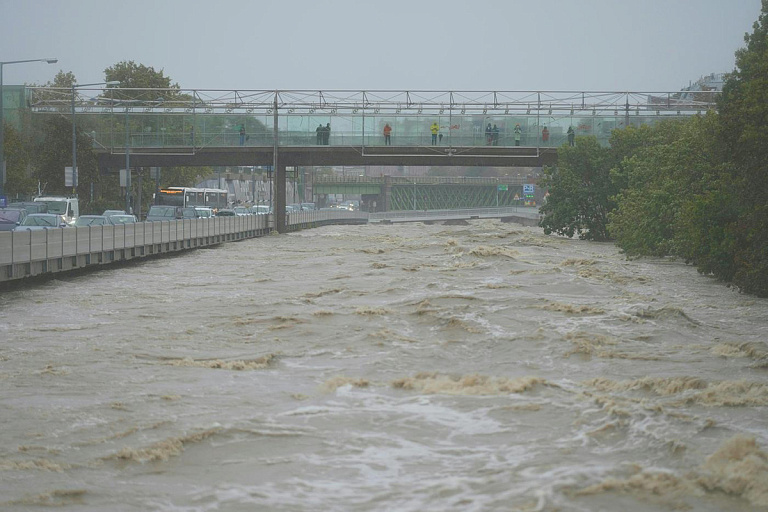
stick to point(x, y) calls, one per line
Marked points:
point(67, 207)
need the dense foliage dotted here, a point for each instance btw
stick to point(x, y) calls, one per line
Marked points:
point(580, 191)
point(695, 189)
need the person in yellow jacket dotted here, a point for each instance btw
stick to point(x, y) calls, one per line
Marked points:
point(435, 128)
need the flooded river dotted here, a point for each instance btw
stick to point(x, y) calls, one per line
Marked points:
point(404, 367)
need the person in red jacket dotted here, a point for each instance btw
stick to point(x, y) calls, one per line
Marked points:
point(545, 135)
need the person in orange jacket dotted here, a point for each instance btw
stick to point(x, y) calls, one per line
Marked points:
point(387, 135)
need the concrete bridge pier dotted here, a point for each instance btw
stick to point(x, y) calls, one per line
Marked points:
point(386, 193)
point(279, 203)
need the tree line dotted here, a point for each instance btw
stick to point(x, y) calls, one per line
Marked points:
point(37, 153)
point(696, 189)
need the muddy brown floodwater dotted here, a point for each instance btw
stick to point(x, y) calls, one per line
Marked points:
point(403, 367)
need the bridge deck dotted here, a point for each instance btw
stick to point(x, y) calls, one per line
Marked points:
point(485, 156)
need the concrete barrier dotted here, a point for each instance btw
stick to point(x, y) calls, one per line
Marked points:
point(32, 253)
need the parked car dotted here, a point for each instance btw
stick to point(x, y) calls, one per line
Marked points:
point(11, 217)
point(92, 220)
point(121, 219)
point(260, 209)
point(35, 221)
point(242, 210)
point(226, 212)
point(31, 206)
point(160, 213)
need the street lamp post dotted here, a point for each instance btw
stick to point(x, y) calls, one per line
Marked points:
point(74, 130)
point(2, 112)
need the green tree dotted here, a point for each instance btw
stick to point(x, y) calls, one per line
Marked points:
point(19, 179)
point(156, 86)
point(580, 191)
point(743, 110)
point(666, 171)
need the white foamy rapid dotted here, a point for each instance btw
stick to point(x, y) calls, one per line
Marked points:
point(386, 367)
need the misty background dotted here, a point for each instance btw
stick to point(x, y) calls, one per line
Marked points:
point(654, 45)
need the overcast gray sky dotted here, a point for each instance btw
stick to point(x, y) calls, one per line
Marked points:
point(621, 45)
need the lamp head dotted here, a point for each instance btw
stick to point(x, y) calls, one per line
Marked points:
point(51, 61)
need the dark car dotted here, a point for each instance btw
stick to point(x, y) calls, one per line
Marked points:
point(31, 206)
point(190, 213)
point(11, 217)
point(160, 213)
point(226, 212)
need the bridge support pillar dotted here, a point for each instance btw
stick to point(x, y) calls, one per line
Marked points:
point(386, 193)
point(279, 203)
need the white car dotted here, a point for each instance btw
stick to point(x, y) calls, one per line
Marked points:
point(203, 212)
point(35, 221)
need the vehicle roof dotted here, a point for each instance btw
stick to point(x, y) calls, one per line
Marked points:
point(116, 218)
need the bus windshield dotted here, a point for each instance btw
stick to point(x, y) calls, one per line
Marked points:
point(170, 197)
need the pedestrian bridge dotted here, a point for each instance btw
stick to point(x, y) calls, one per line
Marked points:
point(166, 127)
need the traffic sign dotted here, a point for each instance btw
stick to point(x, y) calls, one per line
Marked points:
point(501, 188)
point(528, 189)
point(70, 178)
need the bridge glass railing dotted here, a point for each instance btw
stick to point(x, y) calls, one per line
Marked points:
point(194, 119)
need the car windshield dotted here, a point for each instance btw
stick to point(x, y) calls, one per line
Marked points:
point(162, 211)
point(41, 220)
point(9, 215)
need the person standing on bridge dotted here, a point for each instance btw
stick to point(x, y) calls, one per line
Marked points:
point(571, 135)
point(545, 136)
point(495, 135)
point(488, 135)
point(319, 131)
point(387, 135)
point(435, 128)
point(327, 134)
point(518, 133)
point(242, 134)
